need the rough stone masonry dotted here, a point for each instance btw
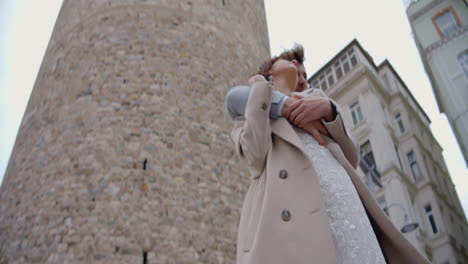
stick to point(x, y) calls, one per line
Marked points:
point(124, 153)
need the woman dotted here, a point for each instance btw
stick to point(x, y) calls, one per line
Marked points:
point(302, 205)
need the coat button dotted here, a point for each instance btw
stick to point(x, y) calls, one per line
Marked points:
point(283, 174)
point(285, 215)
point(264, 106)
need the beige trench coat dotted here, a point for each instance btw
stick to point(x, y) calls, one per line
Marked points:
point(282, 178)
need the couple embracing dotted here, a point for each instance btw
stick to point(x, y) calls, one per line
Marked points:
point(305, 202)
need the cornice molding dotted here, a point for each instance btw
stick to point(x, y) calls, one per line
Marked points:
point(461, 32)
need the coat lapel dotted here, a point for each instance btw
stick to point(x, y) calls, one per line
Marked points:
point(283, 129)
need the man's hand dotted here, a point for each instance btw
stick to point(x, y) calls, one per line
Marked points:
point(307, 109)
point(256, 78)
point(315, 128)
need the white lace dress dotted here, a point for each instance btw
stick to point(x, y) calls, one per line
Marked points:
point(352, 232)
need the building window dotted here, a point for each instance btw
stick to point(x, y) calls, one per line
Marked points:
point(352, 57)
point(338, 71)
point(463, 61)
point(356, 113)
point(430, 217)
point(323, 82)
point(339, 68)
point(315, 84)
point(387, 83)
point(329, 76)
point(447, 22)
point(367, 156)
point(414, 166)
point(399, 121)
point(396, 84)
point(345, 63)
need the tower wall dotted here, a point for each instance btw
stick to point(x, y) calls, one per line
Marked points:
point(124, 152)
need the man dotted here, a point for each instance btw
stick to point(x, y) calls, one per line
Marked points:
point(298, 109)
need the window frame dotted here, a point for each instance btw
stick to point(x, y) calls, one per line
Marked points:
point(430, 216)
point(442, 12)
point(463, 66)
point(337, 68)
point(400, 123)
point(371, 153)
point(351, 109)
point(414, 162)
point(345, 63)
point(386, 82)
point(329, 75)
point(352, 55)
point(323, 80)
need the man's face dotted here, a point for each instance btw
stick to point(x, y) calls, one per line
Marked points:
point(301, 76)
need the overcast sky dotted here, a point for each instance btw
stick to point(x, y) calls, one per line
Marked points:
point(322, 27)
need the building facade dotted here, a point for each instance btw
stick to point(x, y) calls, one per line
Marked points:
point(401, 161)
point(123, 154)
point(440, 31)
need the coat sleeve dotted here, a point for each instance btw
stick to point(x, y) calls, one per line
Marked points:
point(341, 135)
point(236, 102)
point(252, 133)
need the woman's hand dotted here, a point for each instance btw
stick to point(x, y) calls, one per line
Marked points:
point(256, 78)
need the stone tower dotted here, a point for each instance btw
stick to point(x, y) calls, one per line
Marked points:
point(124, 153)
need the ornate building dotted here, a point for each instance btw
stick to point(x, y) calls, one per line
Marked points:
point(124, 153)
point(440, 30)
point(401, 161)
